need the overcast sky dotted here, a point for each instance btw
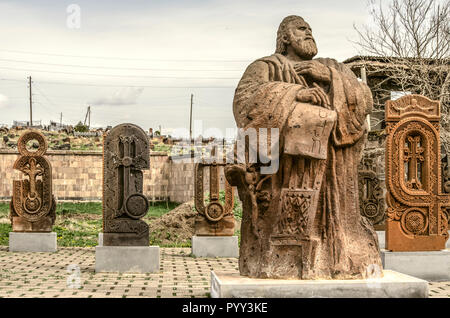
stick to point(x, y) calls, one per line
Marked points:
point(139, 61)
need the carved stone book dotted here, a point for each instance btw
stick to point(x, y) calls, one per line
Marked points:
point(308, 130)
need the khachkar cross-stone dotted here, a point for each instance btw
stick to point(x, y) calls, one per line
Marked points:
point(413, 157)
point(371, 199)
point(33, 204)
point(214, 219)
point(417, 205)
point(125, 155)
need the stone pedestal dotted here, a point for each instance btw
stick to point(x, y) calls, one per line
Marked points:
point(391, 285)
point(381, 239)
point(32, 242)
point(431, 265)
point(135, 259)
point(215, 246)
point(100, 239)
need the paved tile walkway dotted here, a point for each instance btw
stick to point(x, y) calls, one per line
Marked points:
point(70, 273)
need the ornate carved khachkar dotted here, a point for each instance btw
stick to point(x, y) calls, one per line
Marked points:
point(416, 214)
point(214, 219)
point(303, 220)
point(371, 198)
point(125, 155)
point(446, 176)
point(33, 205)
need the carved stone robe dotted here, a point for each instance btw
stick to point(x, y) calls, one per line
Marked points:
point(304, 220)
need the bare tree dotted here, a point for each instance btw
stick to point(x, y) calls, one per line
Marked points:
point(411, 40)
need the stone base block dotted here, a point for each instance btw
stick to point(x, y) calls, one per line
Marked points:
point(215, 246)
point(100, 239)
point(135, 259)
point(32, 242)
point(430, 265)
point(381, 239)
point(391, 285)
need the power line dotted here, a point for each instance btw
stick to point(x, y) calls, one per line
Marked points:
point(122, 68)
point(115, 75)
point(129, 59)
point(119, 85)
point(45, 96)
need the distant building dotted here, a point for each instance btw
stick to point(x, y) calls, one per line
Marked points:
point(22, 124)
point(377, 71)
point(54, 126)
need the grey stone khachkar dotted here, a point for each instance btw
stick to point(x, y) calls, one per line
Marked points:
point(302, 234)
point(125, 236)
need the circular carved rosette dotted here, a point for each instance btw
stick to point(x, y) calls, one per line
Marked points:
point(214, 212)
point(136, 206)
point(414, 221)
point(32, 135)
point(32, 204)
point(370, 210)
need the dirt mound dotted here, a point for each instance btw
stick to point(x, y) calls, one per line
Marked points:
point(175, 227)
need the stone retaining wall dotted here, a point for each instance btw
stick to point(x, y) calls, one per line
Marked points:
point(77, 176)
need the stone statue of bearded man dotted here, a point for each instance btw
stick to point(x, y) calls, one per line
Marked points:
point(303, 221)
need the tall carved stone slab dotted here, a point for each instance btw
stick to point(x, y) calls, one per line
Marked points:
point(214, 219)
point(416, 218)
point(371, 199)
point(125, 155)
point(32, 207)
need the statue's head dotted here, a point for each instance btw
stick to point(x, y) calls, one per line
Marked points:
point(295, 35)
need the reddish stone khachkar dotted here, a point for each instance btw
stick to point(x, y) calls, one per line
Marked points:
point(214, 219)
point(416, 218)
point(125, 155)
point(32, 207)
point(303, 221)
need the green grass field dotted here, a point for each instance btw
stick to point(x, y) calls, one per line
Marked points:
point(77, 224)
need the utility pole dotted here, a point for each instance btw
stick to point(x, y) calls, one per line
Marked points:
point(60, 121)
point(88, 117)
point(31, 102)
point(190, 120)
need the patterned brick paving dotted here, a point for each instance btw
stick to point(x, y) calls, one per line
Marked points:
point(59, 274)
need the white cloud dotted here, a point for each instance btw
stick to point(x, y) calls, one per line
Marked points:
point(123, 96)
point(3, 100)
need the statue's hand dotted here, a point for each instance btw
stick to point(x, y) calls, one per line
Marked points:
point(314, 95)
point(315, 70)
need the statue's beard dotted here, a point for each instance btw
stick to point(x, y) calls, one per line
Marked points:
point(306, 49)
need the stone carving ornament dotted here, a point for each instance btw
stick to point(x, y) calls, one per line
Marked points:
point(32, 207)
point(125, 155)
point(371, 198)
point(304, 221)
point(214, 219)
point(417, 217)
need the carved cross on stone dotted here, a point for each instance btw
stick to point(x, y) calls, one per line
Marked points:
point(214, 219)
point(125, 155)
point(413, 156)
point(416, 205)
point(33, 171)
point(33, 205)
